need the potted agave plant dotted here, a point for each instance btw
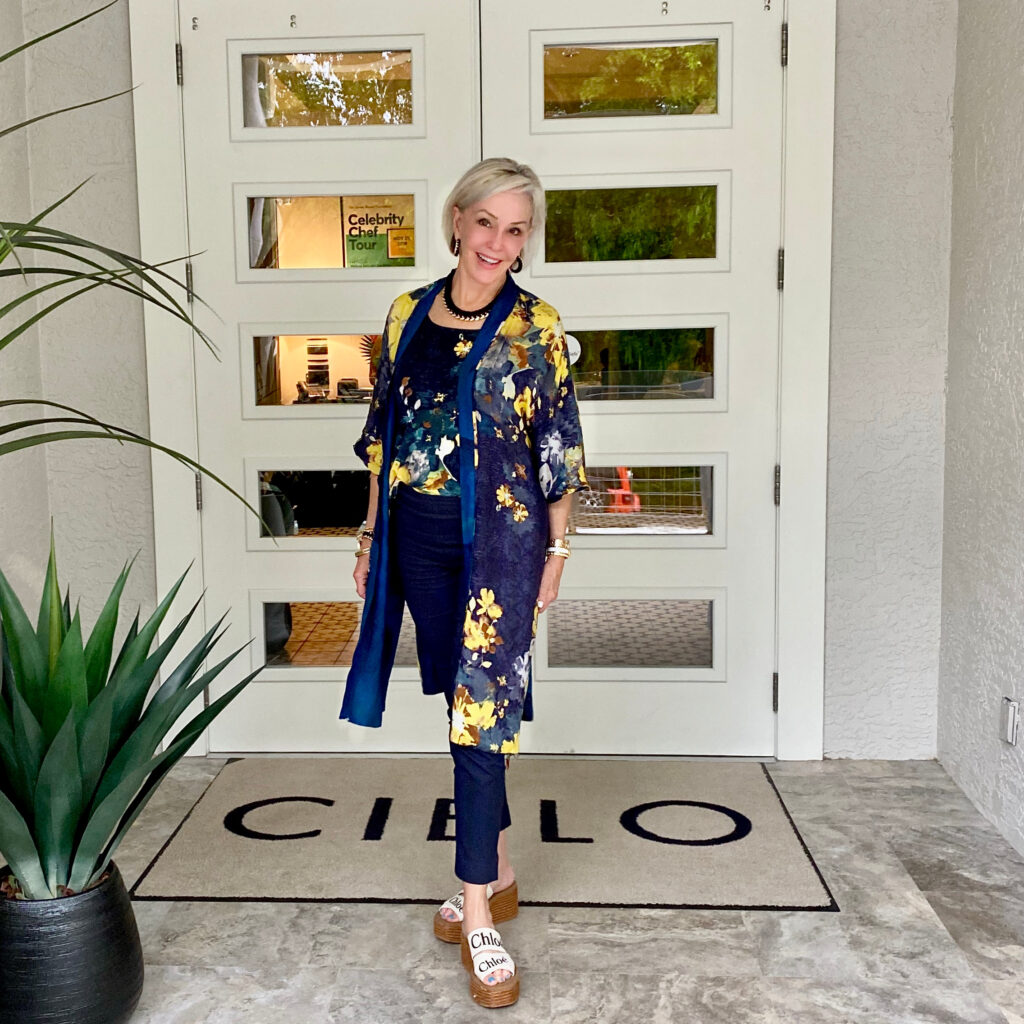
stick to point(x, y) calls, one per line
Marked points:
point(83, 740)
point(79, 760)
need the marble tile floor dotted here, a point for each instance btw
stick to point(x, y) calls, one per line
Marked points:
point(931, 931)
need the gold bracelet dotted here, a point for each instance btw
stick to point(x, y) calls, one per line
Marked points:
point(558, 547)
point(362, 551)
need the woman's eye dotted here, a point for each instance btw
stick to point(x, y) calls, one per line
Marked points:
point(516, 231)
point(483, 222)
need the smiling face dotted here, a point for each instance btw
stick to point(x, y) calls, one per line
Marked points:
point(493, 233)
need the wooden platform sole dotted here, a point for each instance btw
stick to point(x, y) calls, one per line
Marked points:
point(504, 993)
point(504, 906)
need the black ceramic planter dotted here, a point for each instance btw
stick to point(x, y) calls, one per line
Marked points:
point(76, 960)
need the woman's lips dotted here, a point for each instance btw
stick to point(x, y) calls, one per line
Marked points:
point(487, 261)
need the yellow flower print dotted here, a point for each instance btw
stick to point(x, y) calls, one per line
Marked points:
point(480, 635)
point(503, 681)
point(504, 496)
point(510, 746)
point(536, 614)
point(519, 513)
point(487, 605)
point(469, 717)
point(375, 454)
point(520, 471)
point(398, 473)
point(543, 315)
point(524, 404)
point(462, 347)
point(561, 363)
point(402, 307)
point(516, 324)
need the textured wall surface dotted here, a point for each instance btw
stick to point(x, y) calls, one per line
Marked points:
point(894, 88)
point(24, 506)
point(983, 569)
point(92, 353)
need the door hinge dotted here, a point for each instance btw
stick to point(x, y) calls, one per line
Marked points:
point(775, 691)
point(785, 44)
point(189, 292)
point(781, 268)
point(778, 483)
point(179, 64)
point(199, 492)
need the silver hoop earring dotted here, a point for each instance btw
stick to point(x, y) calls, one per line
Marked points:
point(456, 246)
point(517, 265)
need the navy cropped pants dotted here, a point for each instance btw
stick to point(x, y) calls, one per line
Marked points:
point(427, 553)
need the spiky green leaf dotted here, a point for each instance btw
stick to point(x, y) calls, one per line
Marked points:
point(62, 110)
point(69, 690)
point(30, 671)
point(49, 631)
point(94, 742)
point(157, 721)
point(122, 435)
point(58, 804)
point(112, 819)
point(133, 688)
point(100, 645)
point(18, 848)
point(55, 31)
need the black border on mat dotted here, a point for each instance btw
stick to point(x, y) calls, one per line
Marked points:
point(832, 906)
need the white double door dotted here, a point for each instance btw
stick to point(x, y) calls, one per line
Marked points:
point(662, 640)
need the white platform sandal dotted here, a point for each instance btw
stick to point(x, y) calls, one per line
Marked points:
point(483, 954)
point(504, 906)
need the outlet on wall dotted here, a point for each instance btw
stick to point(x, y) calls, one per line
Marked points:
point(1011, 717)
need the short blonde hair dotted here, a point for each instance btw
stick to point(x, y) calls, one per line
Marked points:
point(488, 178)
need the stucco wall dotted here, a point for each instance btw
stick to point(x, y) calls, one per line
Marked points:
point(983, 571)
point(893, 138)
point(92, 352)
point(24, 506)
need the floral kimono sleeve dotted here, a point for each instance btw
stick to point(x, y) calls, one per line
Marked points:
point(557, 437)
point(368, 447)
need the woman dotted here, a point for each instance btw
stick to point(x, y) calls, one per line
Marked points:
point(475, 419)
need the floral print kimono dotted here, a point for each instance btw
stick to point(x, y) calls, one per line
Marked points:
point(519, 447)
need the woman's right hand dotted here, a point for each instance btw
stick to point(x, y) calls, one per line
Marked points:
point(361, 574)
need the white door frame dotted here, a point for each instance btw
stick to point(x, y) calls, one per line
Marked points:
point(807, 231)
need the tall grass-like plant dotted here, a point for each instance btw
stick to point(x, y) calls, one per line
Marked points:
point(58, 267)
point(78, 738)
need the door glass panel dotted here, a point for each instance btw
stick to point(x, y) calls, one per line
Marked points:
point(304, 634)
point(675, 362)
point(331, 231)
point(668, 222)
point(313, 503)
point(291, 90)
point(299, 369)
point(638, 634)
point(644, 500)
point(626, 80)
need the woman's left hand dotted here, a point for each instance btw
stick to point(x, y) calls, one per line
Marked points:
point(549, 581)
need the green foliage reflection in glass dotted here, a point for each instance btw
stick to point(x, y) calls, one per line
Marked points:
point(675, 362)
point(619, 81)
point(665, 223)
point(287, 90)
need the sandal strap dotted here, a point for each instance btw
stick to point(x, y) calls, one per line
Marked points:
point(455, 902)
point(488, 953)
